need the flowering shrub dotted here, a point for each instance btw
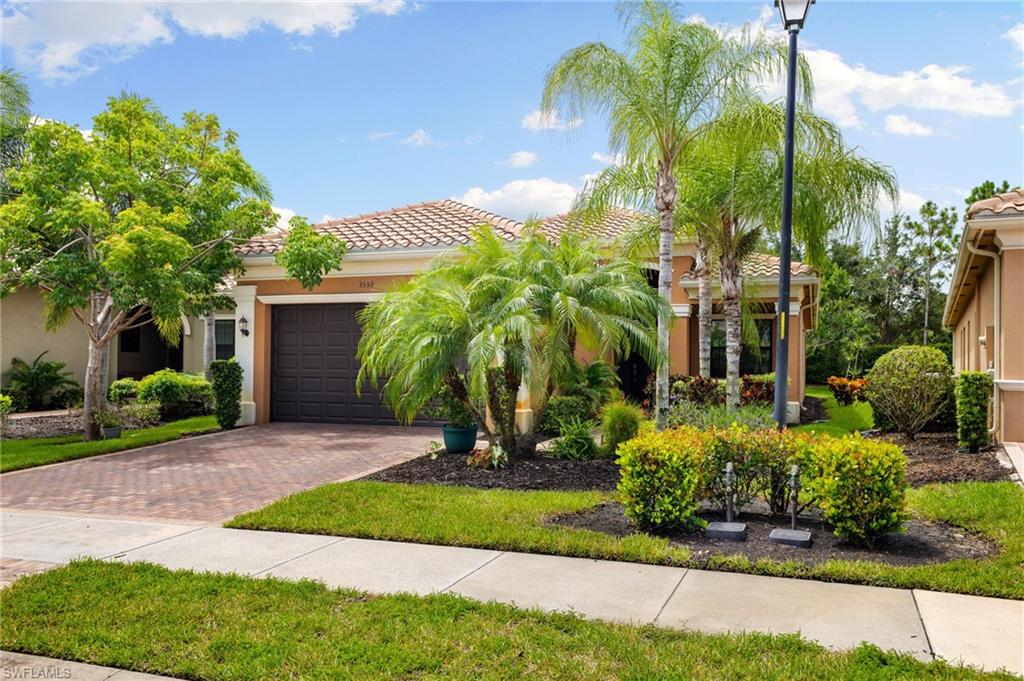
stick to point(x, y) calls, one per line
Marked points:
point(846, 390)
point(860, 486)
point(660, 480)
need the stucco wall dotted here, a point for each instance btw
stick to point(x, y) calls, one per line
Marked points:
point(22, 334)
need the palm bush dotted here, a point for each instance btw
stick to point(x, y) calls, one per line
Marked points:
point(502, 316)
point(41, 384)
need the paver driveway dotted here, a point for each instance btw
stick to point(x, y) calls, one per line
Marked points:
point(213, 477)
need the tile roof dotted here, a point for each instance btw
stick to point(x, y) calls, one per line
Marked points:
point(434, 223)
point(616, 222)
point(757, 266)
point(1012, 201)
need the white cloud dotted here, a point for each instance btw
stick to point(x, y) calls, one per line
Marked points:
point(520, 199)
point(551, 120)
point(898, 124)
point(910, 202)
point(520, 159)
point(1016, 36)
point(378, 135)
point(422, 138)
point(283, 216)
point(607, 159)
point(63, 40)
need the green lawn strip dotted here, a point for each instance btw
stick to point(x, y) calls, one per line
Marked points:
point(18, 454)
point(190, 625)
point(512, 520)
point(842, 420)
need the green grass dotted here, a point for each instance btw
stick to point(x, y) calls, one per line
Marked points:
point(18, 454)
point(189, 625)
point(842, 420)
point(512, 520)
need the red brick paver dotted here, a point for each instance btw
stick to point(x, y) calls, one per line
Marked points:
point(214, 477)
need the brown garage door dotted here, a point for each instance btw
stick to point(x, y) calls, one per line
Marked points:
point(314, 367)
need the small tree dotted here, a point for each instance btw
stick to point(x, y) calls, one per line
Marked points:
point(934, 247)
point(500, 317)
point(135, 224)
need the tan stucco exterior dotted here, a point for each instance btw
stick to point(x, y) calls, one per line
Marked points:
point(981, 283)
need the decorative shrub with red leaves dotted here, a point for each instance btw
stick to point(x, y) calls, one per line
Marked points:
point(846, 390)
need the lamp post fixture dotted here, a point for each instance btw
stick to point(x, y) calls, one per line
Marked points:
point(793, 13)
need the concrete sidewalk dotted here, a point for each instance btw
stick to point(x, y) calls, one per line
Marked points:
point(19, 666)
point(983, 632)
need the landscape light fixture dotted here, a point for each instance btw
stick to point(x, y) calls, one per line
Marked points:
point(243, 325)
point(794, 13)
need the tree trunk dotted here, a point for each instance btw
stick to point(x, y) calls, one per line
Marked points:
point(94, 394)
point(731, 288)
point(209, 342)
point(665, 202)
point(704, 303)
point(927, 299)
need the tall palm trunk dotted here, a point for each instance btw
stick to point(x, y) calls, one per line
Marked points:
point(704, 304)
point(665, 202)
point(209, 342)
point(732, 282)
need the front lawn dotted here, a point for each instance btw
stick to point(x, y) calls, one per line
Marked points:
point(18, 454)
point(515, 521)
point(189, 625)
point(842, 420)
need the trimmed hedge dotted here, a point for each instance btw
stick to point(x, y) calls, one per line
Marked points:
point(973, 392)
point(123, 390)
point(227, 391)
point(860, 486)
point(661, 479)
point(180, 395)
point(560, 409)
point(909, 387)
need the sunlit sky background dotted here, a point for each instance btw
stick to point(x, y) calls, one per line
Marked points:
point(353, 108)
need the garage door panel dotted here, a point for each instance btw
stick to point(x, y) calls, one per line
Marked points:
point(314, 367)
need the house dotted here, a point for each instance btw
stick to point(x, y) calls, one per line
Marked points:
point(982, 307)
point(297, 347)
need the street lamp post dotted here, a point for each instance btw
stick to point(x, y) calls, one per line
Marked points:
point(793, 13)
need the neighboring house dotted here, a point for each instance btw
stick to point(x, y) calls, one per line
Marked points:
point(297, 347)
point(983, 310)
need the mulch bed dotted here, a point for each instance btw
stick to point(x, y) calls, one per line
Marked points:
point(933, 457)
point(529, 473)
point(922, 543)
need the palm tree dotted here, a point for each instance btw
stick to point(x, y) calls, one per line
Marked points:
point(14, 122)
point(731, 189)
point(674, 77)
point(501, 316)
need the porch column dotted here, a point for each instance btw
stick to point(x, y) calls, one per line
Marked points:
point(795, 385)
point(679, 340)
point(245, 306)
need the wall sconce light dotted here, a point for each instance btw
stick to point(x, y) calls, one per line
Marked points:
point(243, 325)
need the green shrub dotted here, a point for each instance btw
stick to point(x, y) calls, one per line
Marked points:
point(973, 392)
point(450, 409)
point(860, 486)
point(908, 387)
point(596, 381)
point(123, 390)
point(703, 416)
point(227, 391)
point(562, 408)
point(140, 414)
point(179, 395)
point(660, 481)
point(576, 441)
point(6, 406)
point(41, 384)
point(757, 388)
point(620, 421)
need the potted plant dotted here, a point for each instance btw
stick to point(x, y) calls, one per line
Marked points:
point(460, 432)
point(109, 421)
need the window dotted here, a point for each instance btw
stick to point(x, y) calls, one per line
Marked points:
point(129, 340)
point(752, 360)
point(224, 337)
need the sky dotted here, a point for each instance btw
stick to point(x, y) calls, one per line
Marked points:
point(349, 108)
